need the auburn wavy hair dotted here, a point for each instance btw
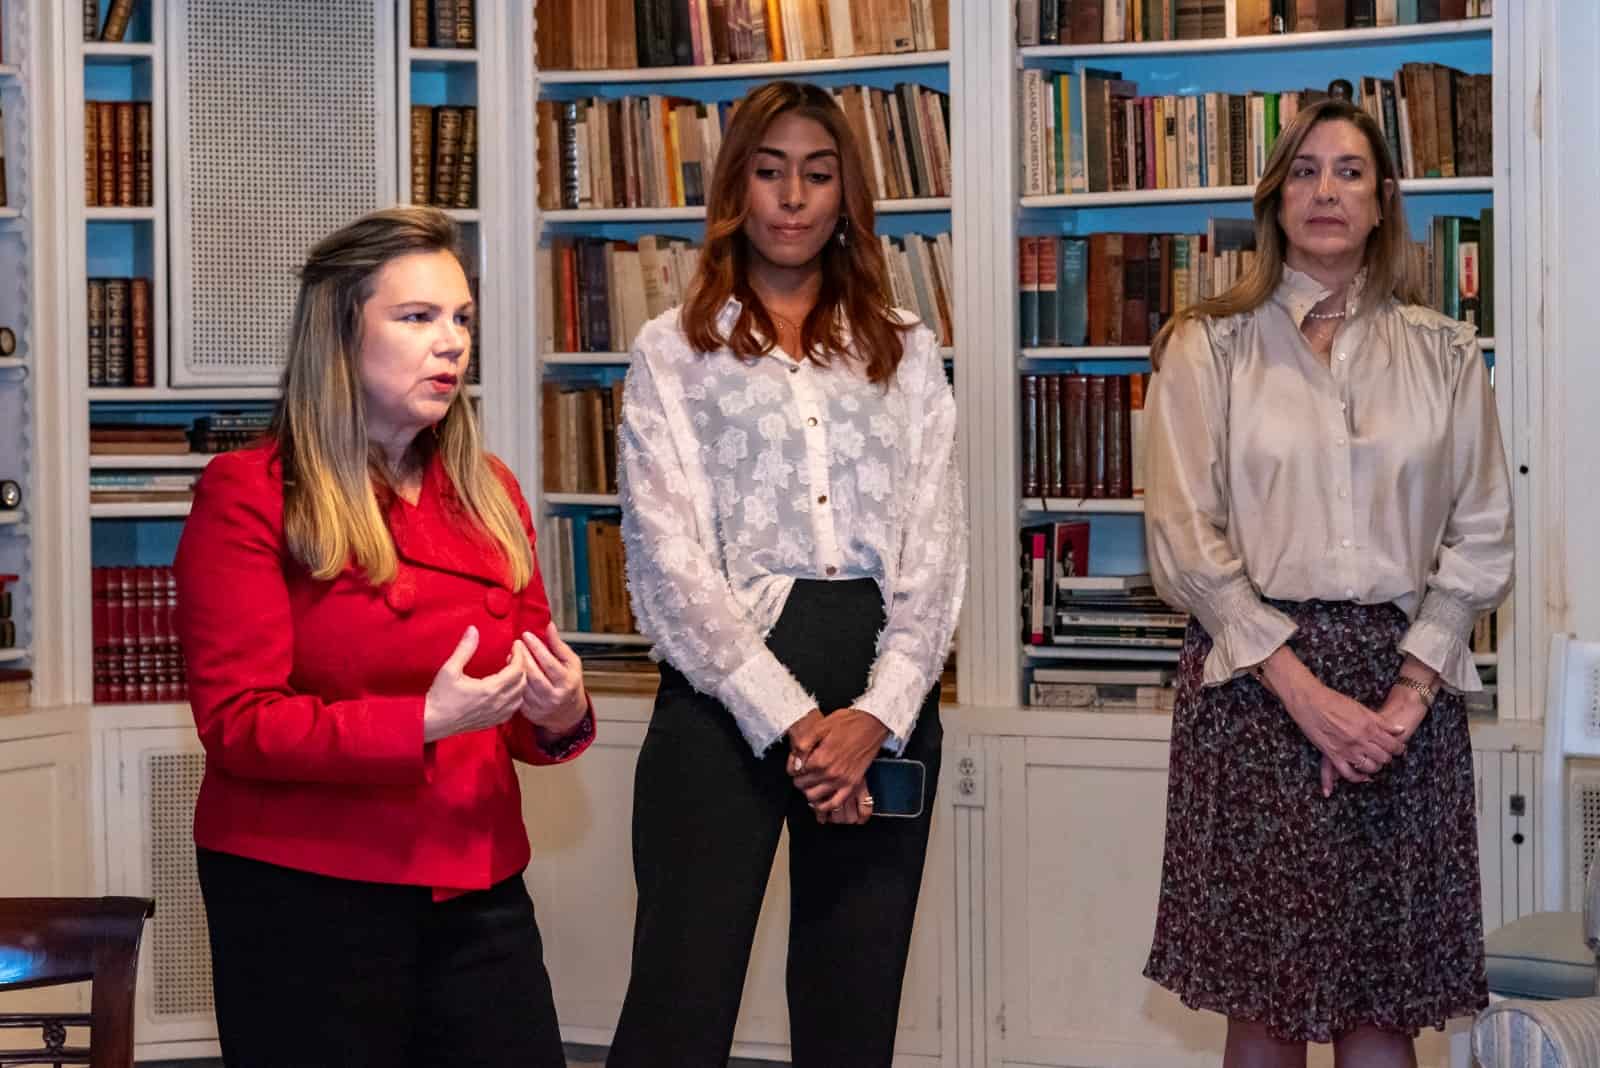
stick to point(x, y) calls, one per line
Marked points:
point(331, 472)
point(855, 292)
point(1386, 246)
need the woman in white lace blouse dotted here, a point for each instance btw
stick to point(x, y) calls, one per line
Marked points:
point(796, 551)
point(1328, 496)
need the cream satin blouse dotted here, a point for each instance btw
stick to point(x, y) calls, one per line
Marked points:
point(1378, 477)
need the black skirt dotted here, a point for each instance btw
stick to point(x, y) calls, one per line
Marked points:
point(1317, 915)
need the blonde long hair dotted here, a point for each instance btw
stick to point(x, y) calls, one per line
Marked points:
point(1386, 246)
point(331, 514)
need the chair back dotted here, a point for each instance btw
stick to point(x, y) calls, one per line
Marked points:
point(1571, 805)
point(51, 941)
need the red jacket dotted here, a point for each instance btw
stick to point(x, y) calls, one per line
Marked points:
point(308, 694)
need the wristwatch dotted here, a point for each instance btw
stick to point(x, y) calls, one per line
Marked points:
point(1422, 689)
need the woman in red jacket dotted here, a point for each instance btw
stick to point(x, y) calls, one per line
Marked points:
point(369, 648)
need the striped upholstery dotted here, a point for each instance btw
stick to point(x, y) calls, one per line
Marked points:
point(1538, 1034)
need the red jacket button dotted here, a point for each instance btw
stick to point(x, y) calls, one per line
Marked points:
point(498, 602)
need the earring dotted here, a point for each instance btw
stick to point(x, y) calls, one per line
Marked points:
point(844, 233)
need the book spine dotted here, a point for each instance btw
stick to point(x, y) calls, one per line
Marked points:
point(117, 20)
point(96, 305)
point(127, 148)
point(91, 20)
point(419, 23)
point(466, 194)
point(421, 152)
point(117, 368)
point(447, 149)
point(1031, 408)
point(91, 153)
point(466, 29)
point(444, 23)
point(140, 321)
point(107, 141)
point(144, 156)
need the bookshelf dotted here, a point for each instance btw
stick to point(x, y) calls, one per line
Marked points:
point(20, 108)
point(1190, 68)
point(707, 84)
point(440, 132)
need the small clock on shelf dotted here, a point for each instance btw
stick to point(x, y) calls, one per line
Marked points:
point(10, 495)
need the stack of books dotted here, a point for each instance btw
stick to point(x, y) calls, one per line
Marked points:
point(1103, 687)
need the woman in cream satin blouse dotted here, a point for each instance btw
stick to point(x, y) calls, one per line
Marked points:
point(1328, 498)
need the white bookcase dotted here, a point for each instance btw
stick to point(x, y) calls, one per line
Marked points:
point(1037, 897)
point(18, 238)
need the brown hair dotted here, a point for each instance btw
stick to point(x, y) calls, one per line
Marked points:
point(1386, 245)
point(331, 514)
point(855, 279)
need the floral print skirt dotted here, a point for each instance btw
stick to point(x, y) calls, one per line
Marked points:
point(1313, 915)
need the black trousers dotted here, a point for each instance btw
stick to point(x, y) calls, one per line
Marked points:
point(706, 820)
point(311, 971)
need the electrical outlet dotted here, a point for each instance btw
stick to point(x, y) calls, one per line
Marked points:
point(967, 780)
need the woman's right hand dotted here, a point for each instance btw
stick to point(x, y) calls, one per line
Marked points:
point(458, 703)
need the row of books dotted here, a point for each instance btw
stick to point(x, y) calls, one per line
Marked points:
point(660, 152)
point(1438, 121)
point(1062, 604)
point(444, 156)
point(118, 154)
point(596, 295)
point(115, 26)
point(120, 323)
point(591, 588)
point(1083, 435)
point(622, 34)
point(1051, 22)
point(1120, 288)
point(1108, 687)
point(1089, 130)
point(137, 657)
point(208, 434)
point(578, 436)
point(443, 24)
point(922, 280)
point(1455, 268)
point(141, 487)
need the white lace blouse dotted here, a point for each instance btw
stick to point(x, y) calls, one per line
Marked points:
point(739, 477)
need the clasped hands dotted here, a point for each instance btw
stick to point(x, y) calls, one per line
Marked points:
point(542, 681)
point(828, 758)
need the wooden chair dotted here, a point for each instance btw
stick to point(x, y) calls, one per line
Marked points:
point(51, 941)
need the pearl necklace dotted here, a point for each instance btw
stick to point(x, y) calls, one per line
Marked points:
point(1325, 315)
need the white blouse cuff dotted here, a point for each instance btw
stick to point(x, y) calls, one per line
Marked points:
point(765, 699)
point(1244, 630)
point(1439, 638)
point(894, 697)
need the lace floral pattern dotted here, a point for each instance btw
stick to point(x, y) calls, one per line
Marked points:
point(739, 477)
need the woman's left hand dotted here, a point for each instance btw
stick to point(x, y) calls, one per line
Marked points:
point(552, 691)
point(847, 740)
point(1402, 713)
